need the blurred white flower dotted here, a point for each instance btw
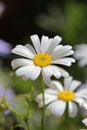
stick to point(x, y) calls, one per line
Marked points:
point(84, 121)
point(57, 97)
point(81, 54)
point(83, 109)
point(5, 48)
point(2, 8)
point(44, 57)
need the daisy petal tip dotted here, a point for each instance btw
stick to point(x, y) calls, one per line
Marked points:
point(13, 50)
point(58, 38)
point(33, 36)
point(73, 61)
point(16, 47)
point(67, 75)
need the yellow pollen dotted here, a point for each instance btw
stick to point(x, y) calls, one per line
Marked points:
point(42, 59)
point(66, 95)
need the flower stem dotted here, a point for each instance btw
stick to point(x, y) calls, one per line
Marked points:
point(28, 127)
point(43, 109)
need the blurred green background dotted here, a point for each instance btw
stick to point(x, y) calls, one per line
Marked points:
point(22, 18)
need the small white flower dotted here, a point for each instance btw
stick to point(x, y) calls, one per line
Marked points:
point(84, 107)
point(57, 97)
point(43, 57)
point(81, 54)
point(84, 121)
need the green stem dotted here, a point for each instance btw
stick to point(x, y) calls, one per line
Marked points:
point(28, 127)
point(27, 123)
point(43, 109)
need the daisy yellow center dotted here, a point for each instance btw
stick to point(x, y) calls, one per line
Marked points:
point(42, 59)
point(66, 95)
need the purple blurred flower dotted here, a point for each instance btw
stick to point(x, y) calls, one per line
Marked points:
point(5, 48)
point(7, 93)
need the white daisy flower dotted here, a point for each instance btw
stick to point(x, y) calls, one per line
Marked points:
point(43, 57)
point(84, 121)
point(57, 97)
point(81, 54)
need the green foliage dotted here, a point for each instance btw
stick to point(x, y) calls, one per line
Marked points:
point(19, 107)
point(3, 104)
point(22, 86)
point(69, 21)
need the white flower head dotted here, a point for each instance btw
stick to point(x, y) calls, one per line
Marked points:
point(81, 88)
point(81, 54)
point(57, 97)
point(43, 57)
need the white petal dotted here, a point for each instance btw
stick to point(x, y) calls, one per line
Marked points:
point(63, 72)
point(64, 61)
point(56, 108)
point(57, 85)
point(85, 105)
point(74, 85)
point(52, 70)
point(80, 101)
point(30, 48)
point(36, 42)
point(44, 43)
point(84, 121)
point(32, 74)
point(72, 109)
point(67, 82)
point(56, 40)
point(23, 70)
point(47, 71)
point(36, 73)
point(56, 55)
point(23, 51)
point(51, 91)
point(21, 62)
point(46, 78)
point(57, 48)
point(82, 93)
point(47, 99)
point(62, 52)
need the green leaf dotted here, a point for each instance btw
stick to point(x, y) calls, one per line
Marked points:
point(19, 107)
